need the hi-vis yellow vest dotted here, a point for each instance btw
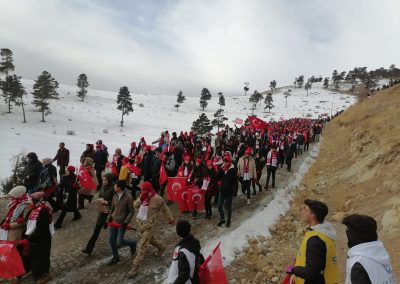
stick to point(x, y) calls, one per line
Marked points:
point(331, 274)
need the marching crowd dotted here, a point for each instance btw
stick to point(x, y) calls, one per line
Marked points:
point(134, 186)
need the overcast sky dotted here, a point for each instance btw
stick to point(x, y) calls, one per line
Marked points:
point(164, 46)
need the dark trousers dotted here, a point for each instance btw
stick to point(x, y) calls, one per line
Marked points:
point(289, 163)
point(60, 219)
point(61, 172)
point(81, 200)
point(99, 178)
point(101, 221)
point(225, 198)
point(271, 171)
point(39, 258)
point(216, 198)
point(207, 204)
point(246, 187)
point(281, 158)
point(256, 181)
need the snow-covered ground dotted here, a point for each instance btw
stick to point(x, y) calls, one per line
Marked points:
point(97, 118)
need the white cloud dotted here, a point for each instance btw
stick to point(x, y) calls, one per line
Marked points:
point(193, 44)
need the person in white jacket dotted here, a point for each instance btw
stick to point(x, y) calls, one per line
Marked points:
point(368, 261)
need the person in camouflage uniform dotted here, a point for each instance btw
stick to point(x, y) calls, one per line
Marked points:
point(150, 207)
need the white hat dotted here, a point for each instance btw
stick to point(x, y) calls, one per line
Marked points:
point(47, 161)
point(17, 191)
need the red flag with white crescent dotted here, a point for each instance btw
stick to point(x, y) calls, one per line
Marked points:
point(85, 179)
point(10, 261)
point(238, 121)
point(182, 197)
point(257, 123)
point(196, 198)
point(173, 185)
point(212, 270)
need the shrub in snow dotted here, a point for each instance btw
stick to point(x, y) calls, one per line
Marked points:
point(105, 130)
point(18, 173)
point(141, 105)
point(70, 132)
point(309, 115)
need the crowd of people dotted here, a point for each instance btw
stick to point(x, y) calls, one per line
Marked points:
point(134, 186)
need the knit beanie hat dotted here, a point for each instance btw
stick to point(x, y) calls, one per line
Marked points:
point(363, 227)
point(318, 208)
point(71, 169)
point(18, 191)
point(183, 228)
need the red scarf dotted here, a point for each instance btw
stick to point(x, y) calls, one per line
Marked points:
point(11, 207)
point(227, 166)
point(246, 165)
point(36, 208)
point(146, 196)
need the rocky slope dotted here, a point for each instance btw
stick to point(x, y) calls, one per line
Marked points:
point(357, 171)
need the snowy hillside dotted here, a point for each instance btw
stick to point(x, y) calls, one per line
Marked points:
point(97, 118)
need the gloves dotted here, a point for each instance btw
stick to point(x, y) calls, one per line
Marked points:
point(6, 226)
point(289, 269)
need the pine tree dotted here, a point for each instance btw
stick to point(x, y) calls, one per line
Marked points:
point(45, 88)
point(82, 85)
point(268, 102)
point(272, 85)
point(307, 86)
point(326, 83)
point(255, 98)
point(219, 119)
point(221, 100)
point(300, 81)
point(18, 173)
point(202, 125)
point(180, 99)
point(7, 61)
point(8, 86)
point(287, 94)
point(19, 93)
point(246, 87)
point(124, 102)
point(204, 98)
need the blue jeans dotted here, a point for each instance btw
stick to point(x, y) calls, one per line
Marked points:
point(116, 240)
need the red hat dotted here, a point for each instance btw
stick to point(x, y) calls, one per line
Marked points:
point(199, 160)
point(71, 169)
point(209, 163)
point(186, 158)
point(248, 150)
point(227, 159)
point(133, 144)
point(148, 148)
point(146, 187)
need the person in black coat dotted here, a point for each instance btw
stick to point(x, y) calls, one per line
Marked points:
point(186, 258)
point(100, 161)
point(155, 170)
point(227, 176)
point(32, 171)
point(290, 150)
point(146, 163)
point(69, 191)
point(38, 236)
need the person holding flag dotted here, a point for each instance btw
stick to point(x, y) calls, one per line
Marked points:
point(186, 258)
point(150, 207)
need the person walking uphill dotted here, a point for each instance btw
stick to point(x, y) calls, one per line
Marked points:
point(316, 260)
point(62, 158)
point(121, 213)
point(151, 207)
point(103, 206)
point(186, 257)
point(368, 261)
point(247, 172)
point(32, 172)
point(227, 176)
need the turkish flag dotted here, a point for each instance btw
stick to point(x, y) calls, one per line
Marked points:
point(196, 198)
point(163, 175)
point(85, 179)
point(182, 197)
point(238, 121)
point(288, 279)
point(10, 261)
point(212, 270)
point(257, 123)
point(173, 185)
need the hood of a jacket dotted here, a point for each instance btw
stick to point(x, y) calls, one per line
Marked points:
point(325, 228)
point(375, 251)
point(191, 244)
